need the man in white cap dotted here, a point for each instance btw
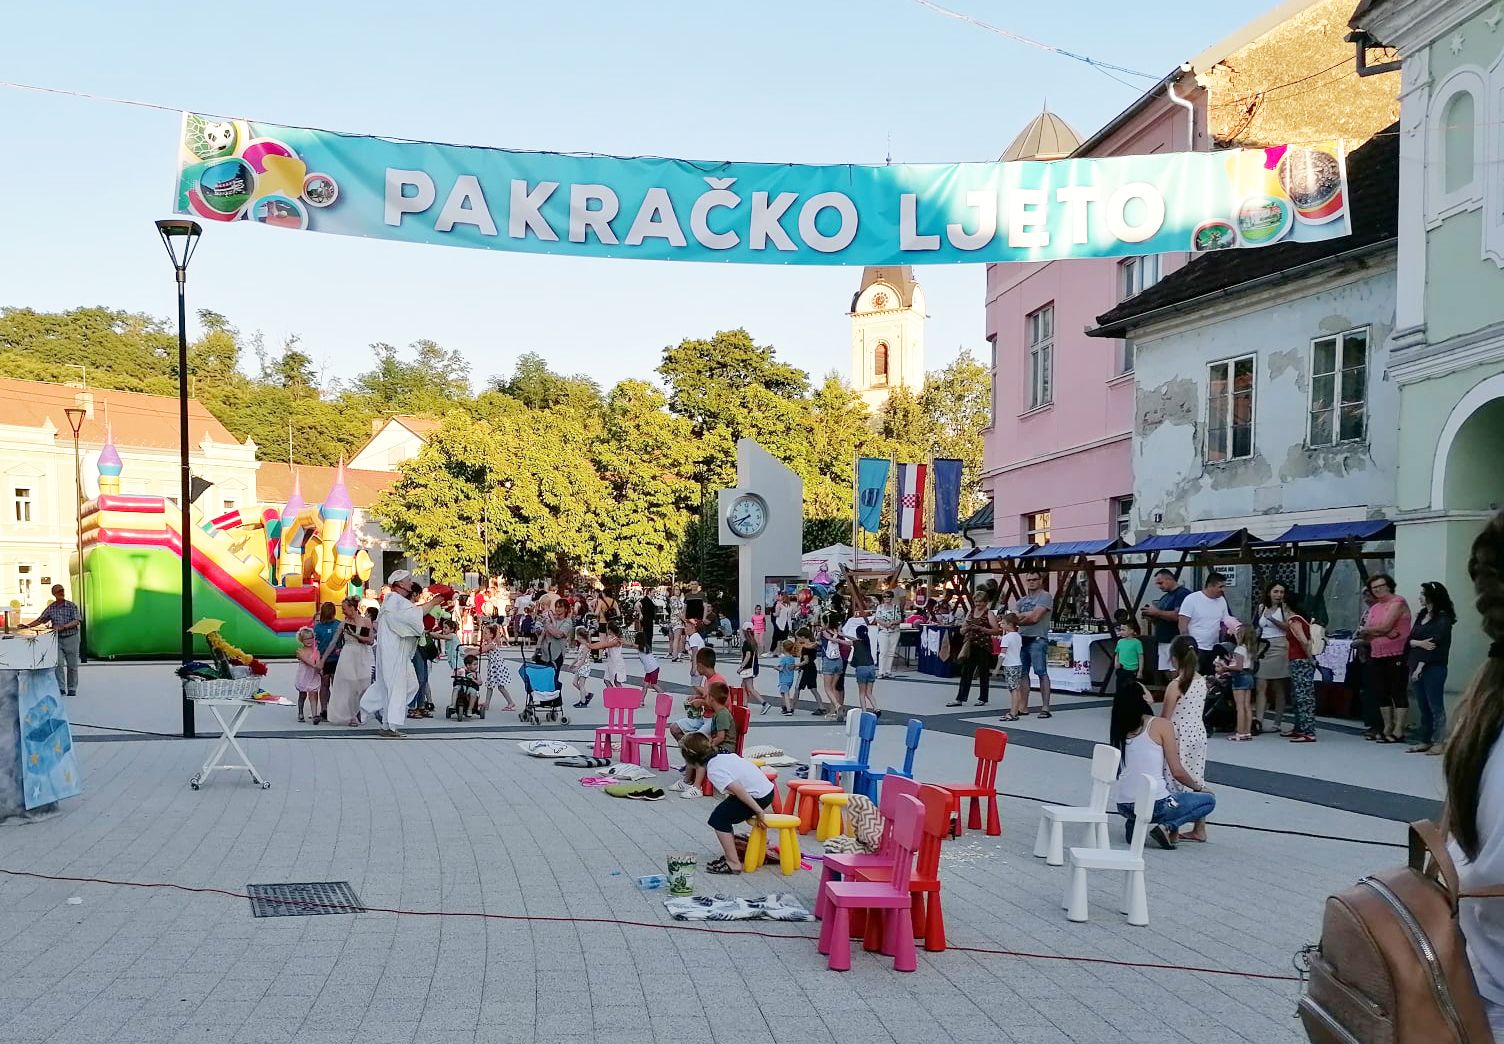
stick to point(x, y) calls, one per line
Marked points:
point(398, 628)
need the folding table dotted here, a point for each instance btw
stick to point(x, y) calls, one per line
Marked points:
point(228, 731)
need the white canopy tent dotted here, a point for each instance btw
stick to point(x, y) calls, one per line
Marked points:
point(843, 556)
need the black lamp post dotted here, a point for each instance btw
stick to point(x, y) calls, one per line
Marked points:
point(75, 416)
point(180, 237)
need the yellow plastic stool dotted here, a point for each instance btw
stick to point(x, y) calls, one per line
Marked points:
point(788, 843)
point(832, 816)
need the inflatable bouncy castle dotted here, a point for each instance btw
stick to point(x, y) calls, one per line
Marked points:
point(264, 576)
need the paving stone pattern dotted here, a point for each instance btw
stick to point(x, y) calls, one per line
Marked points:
point(454, 824)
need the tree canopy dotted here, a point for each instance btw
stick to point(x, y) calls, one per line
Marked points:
point(540, 472)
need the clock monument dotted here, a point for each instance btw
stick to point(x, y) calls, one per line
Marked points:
point(763, 517)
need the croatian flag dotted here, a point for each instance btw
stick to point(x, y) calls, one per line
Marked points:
point(910, 504)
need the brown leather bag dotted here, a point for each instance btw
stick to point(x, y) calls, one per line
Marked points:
point(1392, 965)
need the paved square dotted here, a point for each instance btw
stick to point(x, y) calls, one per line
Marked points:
point(455, 823)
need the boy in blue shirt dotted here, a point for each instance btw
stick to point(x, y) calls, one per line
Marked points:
point(786, 665)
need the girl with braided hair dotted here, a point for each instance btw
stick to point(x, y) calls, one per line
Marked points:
point(1474, 765)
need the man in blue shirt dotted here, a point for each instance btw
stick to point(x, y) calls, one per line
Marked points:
point(1165, 616)
point(66, 622)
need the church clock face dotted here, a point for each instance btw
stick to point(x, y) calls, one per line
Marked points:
point(879, 300)
point(748, 516)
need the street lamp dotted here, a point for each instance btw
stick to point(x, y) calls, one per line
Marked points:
point(180, 237)
point(75, 416)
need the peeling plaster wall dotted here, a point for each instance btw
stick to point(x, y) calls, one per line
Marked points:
point(1282, 475)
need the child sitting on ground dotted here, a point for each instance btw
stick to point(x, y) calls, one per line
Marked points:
point(466, 685)
point(748, 795)
point(786, 664)
point(579, 664)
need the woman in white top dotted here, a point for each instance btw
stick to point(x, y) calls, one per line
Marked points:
point(1274, 665)
point(1148, 747)
point(1475, 783)
point(1185, 700)
point(748, 792)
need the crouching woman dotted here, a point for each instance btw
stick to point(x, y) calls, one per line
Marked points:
point(748, 795)
point(1147, 744)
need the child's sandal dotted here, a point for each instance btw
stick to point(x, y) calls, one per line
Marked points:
point(720, 866)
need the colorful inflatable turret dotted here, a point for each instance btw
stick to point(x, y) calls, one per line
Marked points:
point(110, 465)
point(290, 557)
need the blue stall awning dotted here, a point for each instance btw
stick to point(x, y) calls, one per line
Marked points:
point(954, 554)
point(1214, 541)
point(1331, 532)
point(994, 554)
point(1072, 548)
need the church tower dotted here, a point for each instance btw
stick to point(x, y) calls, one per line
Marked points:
point(887, 333)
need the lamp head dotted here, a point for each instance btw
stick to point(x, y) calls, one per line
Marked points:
point(75, 416)
point(180, 237)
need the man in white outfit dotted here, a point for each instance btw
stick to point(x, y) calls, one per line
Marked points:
point(398, 628)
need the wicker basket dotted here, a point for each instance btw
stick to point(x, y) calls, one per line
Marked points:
point(220, 688)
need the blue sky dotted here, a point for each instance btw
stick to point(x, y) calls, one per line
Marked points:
point(813, 82)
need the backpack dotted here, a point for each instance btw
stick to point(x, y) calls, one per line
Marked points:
point(1318, 638)
point(1392, 963)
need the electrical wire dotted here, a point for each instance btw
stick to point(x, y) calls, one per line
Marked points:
point(626, 923)
point(1267, 91)
point(947, 12)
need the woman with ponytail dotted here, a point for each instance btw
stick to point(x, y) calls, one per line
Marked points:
point(1474, 766)
point(1185, 700)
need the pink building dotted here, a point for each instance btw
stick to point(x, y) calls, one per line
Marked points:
point(1058, 455)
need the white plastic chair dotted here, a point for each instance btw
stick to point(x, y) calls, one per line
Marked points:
point(1130, 862)
point(1049, 843)
point(853, 747)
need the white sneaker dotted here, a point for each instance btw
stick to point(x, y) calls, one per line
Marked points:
point(676, 788)
point(689, 792)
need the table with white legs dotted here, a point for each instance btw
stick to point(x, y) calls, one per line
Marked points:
point(228, 731)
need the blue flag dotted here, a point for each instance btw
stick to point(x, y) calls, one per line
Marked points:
point(947, 477)
point(871, 490)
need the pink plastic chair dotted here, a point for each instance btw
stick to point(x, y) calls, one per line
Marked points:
point(633, 742)
point(838, 865)
point(621, 707)
point(888, 899)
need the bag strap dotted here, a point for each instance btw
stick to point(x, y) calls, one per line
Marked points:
point(1426, 839)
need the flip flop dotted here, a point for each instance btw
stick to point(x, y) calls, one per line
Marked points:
point(720, 866)
point(1045, 714)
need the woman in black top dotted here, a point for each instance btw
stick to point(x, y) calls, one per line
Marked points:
point(807, 647)
point(1430, 644)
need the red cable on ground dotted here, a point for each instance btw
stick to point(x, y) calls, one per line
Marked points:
point(633, 924)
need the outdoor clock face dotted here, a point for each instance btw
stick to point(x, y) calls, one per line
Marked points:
point(748, 515)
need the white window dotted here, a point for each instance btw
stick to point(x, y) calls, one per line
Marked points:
point(1229, 409)
point(1137, 274)
point(23, 583)
point(1339, 387)
point(1456, 142)
point(23, 503)
point(992, 378)
point(1037, 528)
point(1040, 328)
point(1125, 356)
point(230, 505)
point(1122, 516)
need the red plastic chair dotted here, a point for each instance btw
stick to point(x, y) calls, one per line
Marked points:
point(621, 707)
point(989, 747)
point(738, 696)
point(743, 719)
point(890, 898)
point(657, 743)
point(927, 916)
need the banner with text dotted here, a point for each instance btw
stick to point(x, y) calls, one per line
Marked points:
point(758, 213)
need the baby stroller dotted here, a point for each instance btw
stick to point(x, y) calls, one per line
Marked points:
point(467, 688)
point(541, 682)
point(1220, 712)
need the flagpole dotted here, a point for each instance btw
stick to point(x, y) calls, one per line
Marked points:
point(856, 457)
point(893, 511)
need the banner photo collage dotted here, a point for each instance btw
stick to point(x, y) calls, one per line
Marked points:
point(758, 213)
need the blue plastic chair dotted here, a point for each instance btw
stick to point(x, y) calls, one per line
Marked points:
point(867, 781)
point(830, 771)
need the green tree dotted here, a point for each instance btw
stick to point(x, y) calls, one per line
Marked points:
point(645, 455)
point(728, 387)
point(957, 404)
point(434, 382)
point(538, 388)
point(840, 429)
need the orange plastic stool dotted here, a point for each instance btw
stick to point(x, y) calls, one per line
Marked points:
point(772, 775)
point(808, 808)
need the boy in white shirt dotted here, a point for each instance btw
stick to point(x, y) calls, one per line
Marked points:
point(1013, 666)
point(748, 795)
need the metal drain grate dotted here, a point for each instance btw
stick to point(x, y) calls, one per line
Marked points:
point(306, 899)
